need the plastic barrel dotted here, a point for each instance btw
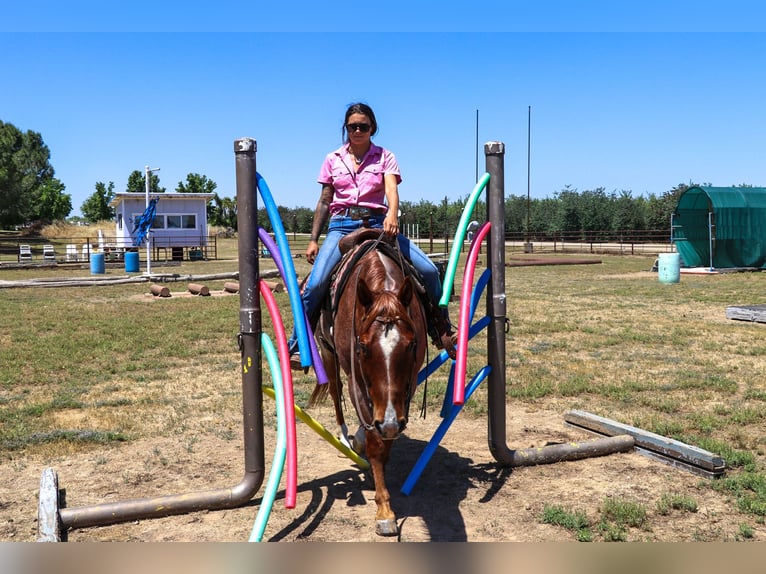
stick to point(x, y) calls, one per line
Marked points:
point(669, 267)
point(97, 264)
point(131, 262)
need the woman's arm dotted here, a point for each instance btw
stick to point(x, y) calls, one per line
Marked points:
point(391, 222)
point(321, 215)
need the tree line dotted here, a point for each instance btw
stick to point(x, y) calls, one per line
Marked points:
point(30, 192)
point(568, 211)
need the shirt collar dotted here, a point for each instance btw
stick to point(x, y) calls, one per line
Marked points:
point(374, 150)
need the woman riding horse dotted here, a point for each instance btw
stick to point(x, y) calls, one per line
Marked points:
point(360, 189)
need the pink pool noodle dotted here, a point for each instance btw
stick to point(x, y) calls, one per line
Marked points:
point(458, 390)
point(291, 480)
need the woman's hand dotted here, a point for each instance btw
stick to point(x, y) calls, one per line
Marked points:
point(391, 223)
point(311, 251)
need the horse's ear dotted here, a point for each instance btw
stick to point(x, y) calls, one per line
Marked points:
point(406, 292)
point(363, 294)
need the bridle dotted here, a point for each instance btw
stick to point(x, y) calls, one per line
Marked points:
point(359, 385)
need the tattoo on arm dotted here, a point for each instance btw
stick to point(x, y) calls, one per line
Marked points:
point(322, 212)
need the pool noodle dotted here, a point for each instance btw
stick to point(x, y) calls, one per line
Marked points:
point(275, 255)
point(441, 430)
point(278, 462)
point(429, 369)
point(458, 392)
point(327, 435)
point(289, 401)
point(457, 245)
point(290, 278)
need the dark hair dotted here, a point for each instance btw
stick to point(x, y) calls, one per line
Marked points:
point(360, 108)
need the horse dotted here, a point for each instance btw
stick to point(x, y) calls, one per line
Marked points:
point(377, 336)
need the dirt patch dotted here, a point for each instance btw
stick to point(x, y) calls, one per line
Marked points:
point(462, 495)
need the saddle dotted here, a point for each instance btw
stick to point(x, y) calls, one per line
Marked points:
point(356, 245)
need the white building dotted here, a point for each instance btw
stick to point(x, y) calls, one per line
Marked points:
point(180, 220)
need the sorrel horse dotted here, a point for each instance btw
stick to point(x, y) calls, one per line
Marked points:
point(377, 336)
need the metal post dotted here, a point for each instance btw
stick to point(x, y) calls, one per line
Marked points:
point(252, 394)
point(496, 308)
point(147, 186)
point(496, 311)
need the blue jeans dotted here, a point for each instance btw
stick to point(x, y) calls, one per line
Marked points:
point(318, 283)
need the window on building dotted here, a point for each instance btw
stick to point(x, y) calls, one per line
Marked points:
point(181, 221)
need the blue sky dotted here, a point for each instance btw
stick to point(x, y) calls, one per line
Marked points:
point(622, 96)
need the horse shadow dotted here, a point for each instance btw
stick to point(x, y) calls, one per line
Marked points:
point(430, 513)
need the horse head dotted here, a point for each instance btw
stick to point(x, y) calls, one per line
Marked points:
point(388, 346)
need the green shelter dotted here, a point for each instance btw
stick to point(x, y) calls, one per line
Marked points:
point(721, 227)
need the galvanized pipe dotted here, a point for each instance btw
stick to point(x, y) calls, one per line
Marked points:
point(252, 396)
point(494, 153)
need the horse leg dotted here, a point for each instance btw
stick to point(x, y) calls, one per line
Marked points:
point(377, 453)
point(333, 386)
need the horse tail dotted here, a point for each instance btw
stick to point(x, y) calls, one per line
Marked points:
point(319, 395)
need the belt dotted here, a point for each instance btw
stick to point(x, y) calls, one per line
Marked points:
point(360, 212)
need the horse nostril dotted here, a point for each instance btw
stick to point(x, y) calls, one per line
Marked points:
point(387, 429)
point(402, 425)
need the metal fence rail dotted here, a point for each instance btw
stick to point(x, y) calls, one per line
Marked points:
point(79, 249)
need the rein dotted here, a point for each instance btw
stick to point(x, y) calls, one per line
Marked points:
point(354, 353)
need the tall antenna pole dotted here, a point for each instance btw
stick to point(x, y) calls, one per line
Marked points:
point(529, 155)
point(477, 146)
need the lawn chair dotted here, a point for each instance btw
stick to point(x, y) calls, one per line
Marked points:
point(25, 253)
point(71, 252)
point(49, 254)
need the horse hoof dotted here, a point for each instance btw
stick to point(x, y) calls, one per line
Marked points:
point(386, 527)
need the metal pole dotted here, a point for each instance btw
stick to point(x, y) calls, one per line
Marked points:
point(252, 394)
point(496, 311)
point(529, 165)
point(710, 232)
point(496, 307)
point(147, 185)
point(477, 145)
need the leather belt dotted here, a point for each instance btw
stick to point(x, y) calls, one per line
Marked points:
point(362, 213)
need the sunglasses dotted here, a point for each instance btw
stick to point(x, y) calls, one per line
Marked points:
point(364, 128)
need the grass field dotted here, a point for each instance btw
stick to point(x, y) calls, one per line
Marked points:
point(85, 366)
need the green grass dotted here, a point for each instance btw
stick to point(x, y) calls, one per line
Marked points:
point(669, 502)
point(575, 521)
point(84, 366)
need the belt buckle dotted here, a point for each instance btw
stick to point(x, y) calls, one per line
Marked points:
point(357, 213)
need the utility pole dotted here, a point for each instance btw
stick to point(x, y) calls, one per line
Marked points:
point(477, 146)
point(147, 176)
point(527, 242)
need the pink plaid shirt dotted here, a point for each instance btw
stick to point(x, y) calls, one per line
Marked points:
point(364, 188)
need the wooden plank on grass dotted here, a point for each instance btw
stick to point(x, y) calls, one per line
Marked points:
point(756, 313)
point(666, 447)
point(48, 521)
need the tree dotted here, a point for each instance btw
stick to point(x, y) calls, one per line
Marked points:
point(222, 212)
point(196, 183)
point(52, 203)
point(137, 183)
point(660, 208)
point(28, 189)
point(96, 207)
point(629, 214)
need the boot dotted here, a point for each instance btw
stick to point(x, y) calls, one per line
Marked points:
point(441, 332)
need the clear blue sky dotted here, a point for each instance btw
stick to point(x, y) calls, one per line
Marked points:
point(635, 96)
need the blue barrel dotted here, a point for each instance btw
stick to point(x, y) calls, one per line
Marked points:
point(669, 267)
point(131, 262)
point(97, 263)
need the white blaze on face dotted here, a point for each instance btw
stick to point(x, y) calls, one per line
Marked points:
point(388, 344)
